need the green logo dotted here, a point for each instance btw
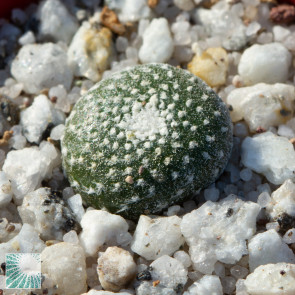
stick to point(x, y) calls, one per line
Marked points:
point(23, 271)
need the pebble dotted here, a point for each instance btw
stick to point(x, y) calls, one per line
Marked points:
point(90, 51)
point(154, 237)
point(220, 22)
point(57, 132)
point(185, 5)
point(56, 23)
point(271, 155)
point(183, 257)
point(26, 168)
point(207, 285)
point(27, 38)
point(157, 42)
point(169, 271)
point(17, 141)
point(274, 101)
point(211, 66)
point(99, 228)
point(5, 190)
point(58, 95)
point(116, 268)
point(218, 232)
point(282, 201)
point(36, 118)
point(268, 247)
point(267, 63)
point(8, 230)
point(48, 67)
point(66, 273)
point(75, 203)
point(278, 279)
point(47, 213)
point(130, 10)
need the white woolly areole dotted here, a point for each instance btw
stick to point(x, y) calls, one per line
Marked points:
point(145, 122)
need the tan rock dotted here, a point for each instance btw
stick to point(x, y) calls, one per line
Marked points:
point(91, 51)
point(115, 268)
point(64, 264)
point(211, 66)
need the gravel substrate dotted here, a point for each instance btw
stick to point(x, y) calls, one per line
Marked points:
point(237, 236)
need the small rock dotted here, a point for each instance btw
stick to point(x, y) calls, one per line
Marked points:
point(169, 271)
point(156, 237)
point(57, 132)
point(278, 279)
point(115, 268)
point(56, 23)
point(130, 10)
point(90, 51)
point(185, 5)
point(207, 285)
point(27, 38)
point(218, 232)
point(111, 21)
point(183, 257)
point(26, 168)
point(58, 95)
point(282, 201)
point(5, 190)
point(47, 68)
point(36, 118)
point(271, 155)
point(75, 203)
point(17, 141)
point(267, 63)
point(211, 66)
point(282, 14)
point(276, 102)
point(268, 247)
point(157, 42)
point(71, 237)
point(223, 23)
point(65, 265)
point(99, 228)
point(8, 230)
point(47, 212)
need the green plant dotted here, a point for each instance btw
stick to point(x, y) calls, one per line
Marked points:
point(144, 139)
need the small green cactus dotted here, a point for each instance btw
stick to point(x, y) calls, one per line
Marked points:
point(145, 139)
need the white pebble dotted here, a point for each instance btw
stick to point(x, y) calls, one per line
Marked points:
point(270, 278)
point(265, 63)
point(263, 199)
point(100, 227)
point(57, 132)
point(183, 257)
point(157, 42)
point(268, 247)
point(271, 155)
point(156, 237)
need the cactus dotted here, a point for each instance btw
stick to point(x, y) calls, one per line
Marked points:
point(144, 139)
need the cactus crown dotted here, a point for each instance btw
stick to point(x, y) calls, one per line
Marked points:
point(146, 138)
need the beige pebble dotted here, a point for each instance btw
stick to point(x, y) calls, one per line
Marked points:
point(116, 268)
point(211, 66)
